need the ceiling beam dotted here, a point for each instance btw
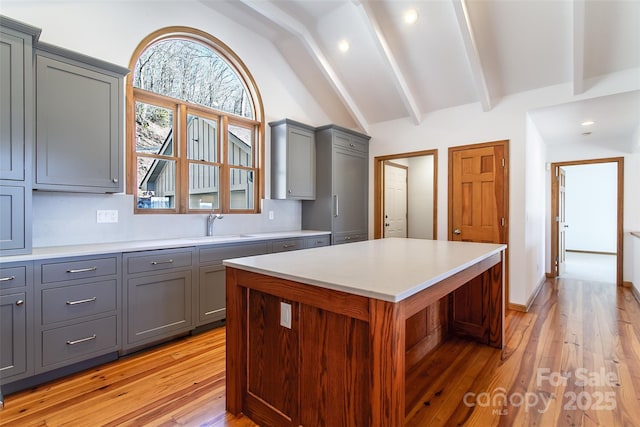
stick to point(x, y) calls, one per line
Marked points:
point(398, 76)
point(473, 54)
point(578, 46)
point(291, 25)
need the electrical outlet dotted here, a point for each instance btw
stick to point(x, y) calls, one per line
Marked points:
point(271, 215)
point(285, 315)
point(109, 216)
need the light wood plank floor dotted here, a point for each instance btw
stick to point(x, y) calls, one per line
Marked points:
point(573, 360)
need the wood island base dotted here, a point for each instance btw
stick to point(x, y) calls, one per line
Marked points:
point(344, 359)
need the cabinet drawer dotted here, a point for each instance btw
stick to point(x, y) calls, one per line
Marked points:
point(317, 241)
point(13, 277)
point(81, 269)
point(159, 260)
point(71, 302)
point(77, 341)
point(217, 254)
point(340, 238)
point(344, 141)
point(287, 245)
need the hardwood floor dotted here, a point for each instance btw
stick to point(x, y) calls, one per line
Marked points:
point(573, 360)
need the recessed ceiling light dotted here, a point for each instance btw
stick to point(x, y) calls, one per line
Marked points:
point(343, 45)
point(410, 16)
point(587, 123)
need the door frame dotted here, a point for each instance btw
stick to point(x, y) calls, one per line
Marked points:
point(378, 189)
point(406, 193)
point(505, 193)
point(620, 213)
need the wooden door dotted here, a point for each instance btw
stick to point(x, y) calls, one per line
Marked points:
point(477, 195)
point(478, 201)
point(561, 221)
point(395, 200)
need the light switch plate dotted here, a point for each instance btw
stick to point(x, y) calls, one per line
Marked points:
point(107, 216)
point(285, 315)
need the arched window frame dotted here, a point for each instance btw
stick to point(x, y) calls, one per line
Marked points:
point(181, 107)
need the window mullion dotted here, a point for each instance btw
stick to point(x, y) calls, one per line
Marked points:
point(181, 160)
point(225, 186)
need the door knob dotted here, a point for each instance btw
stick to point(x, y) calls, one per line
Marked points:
point(457, 231)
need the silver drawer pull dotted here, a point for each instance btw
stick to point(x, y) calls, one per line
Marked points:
point(82, 270)
point(347, 238)
point(169, 261)
point(285, 246)
point(82, 301)
point(92, 337)
point(20, 302)
point(6, 279)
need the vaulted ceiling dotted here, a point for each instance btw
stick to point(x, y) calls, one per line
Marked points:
point(457, 51)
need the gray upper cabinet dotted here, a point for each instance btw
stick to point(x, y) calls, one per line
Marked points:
point(293, 160)
point(16, 134)
point(341, 204)
point(79, 131)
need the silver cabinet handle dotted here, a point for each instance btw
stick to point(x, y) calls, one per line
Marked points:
point(335, 205)
point(115, 180)
point(347, 238)
point(82, 301)
point(457, 231)
point(6, 279)
point(82, 270)
point(20, 302)
point(285, 246)
point(169, 261)
point(92, 337)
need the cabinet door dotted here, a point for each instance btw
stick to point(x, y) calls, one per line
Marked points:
point(349, 192)
point(301, 164)
point(78, 128)
point(12, 107)
point(158, 306)
point(12, 218)
point(212, 294)
point(13, 334)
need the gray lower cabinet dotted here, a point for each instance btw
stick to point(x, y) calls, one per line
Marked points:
point(16, 321)
point(285, 245)
point(317, 241)
point(293, 160)
point(16, 134)
point(341, 204)
point(78, 314)
point(210, 303)
point(158, 295)
point(78, 148)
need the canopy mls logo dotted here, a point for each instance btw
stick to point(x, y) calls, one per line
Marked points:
point(540, 400)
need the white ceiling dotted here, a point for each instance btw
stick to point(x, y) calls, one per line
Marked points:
point(458, 52)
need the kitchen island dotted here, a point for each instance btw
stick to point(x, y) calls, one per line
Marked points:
point(318, 337)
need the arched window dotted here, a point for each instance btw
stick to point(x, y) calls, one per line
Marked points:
point(195, 126)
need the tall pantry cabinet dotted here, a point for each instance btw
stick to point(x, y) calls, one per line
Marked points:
point(16, 134)
point(342, 173)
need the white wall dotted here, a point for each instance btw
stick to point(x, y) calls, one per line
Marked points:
point(111, 31)
point(507, 120)
point(591, 207)
point(420, 184)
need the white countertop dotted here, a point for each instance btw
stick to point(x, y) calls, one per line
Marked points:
point(144, 245)
point(386, 269)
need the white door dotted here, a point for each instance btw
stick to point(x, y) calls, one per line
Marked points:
point(395, 200)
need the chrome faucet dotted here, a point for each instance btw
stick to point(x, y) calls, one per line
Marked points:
point(210, 220)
